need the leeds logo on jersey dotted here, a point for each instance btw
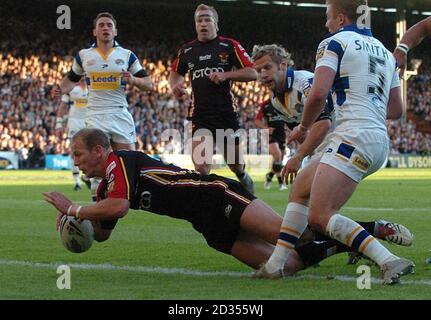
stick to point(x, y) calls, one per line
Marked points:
point(120, 62)
point(105, 80)
point(321, 50)
point(361, 163)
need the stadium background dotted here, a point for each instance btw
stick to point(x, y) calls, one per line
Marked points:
point(139, 262)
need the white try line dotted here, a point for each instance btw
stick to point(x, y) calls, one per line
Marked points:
point(386, 209)
point(185, 272)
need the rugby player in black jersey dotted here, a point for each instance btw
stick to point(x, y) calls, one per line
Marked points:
point(268, 117)
point(213, 62)
point(231, 219)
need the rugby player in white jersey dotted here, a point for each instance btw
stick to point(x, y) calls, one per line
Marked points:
point(362, 75)
point(108, 68)
point(74, 103)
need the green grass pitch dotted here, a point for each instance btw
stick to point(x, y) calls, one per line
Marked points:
point(155, 257)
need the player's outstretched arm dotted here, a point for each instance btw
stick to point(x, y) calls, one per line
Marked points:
point(242, 75)
point(110, 208)
point(176, 83)
point(412, 38)
point(66, 85)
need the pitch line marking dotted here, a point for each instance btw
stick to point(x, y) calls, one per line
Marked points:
point(186, 272)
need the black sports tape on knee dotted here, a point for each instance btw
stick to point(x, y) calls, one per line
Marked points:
point(277, 167)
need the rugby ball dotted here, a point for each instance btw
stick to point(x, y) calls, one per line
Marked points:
point(76, 235)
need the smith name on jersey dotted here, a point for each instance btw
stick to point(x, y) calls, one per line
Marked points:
point(365, 74)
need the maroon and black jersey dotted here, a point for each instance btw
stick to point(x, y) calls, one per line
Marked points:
point(200, 59)
point(165, 189)
point(273, 119)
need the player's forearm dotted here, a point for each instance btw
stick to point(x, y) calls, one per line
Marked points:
point(242, 75)
point(144, 84)
point(415, 35)
point(313, 107)
point(66, 85)
point(175, 79)
point(61, 110)
point(314, 138)
point(110, 208)
point(323, 80)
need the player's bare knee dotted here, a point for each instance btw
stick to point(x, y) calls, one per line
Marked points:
point(318, 221)
point(297, 195)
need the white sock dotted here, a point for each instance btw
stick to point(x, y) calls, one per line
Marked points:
point(353, 235)
point(294, 223)
point(94, 185)
point(75, 173)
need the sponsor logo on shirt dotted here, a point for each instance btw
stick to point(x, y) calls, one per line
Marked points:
point(105, 80)
point(206, 57)
point(109, 169)
point(361, 163)
point(200, 73)
point(80, 102)
point(321, 50)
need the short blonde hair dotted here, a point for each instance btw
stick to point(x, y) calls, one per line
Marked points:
point(202, 7)
point(349, 7)
point(277, 53)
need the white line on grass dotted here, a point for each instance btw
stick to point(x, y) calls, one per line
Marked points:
point(386, 209)
point(180, 271)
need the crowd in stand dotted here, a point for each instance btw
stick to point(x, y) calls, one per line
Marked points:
point(28, 70)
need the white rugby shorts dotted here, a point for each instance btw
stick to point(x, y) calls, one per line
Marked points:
point(74, 125)
point(119, 126)
point(356, 153)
